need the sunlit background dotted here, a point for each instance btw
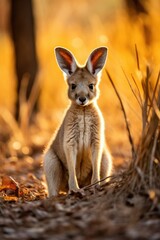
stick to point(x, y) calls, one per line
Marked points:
point(82, 26)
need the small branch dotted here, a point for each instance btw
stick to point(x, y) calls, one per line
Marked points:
point(137, 57)
point(117, 176)
point(141, 175)
point(93, 184)
point(152, 157)
point(152, 99)
point(125, 116)
point(155, 88)
point(34, 94)
point(145, 87)
point(139, 94)
point(139, 101)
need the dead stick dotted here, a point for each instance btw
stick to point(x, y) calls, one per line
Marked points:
point(137, 57)
point(130, 85)
point(125, 116)
point(152, 157)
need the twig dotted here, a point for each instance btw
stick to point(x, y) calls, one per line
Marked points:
point(146, 98)
point(155, 88)
point(11, 122)
point(34, 94)
point(125, 116)
point(141, 174)
point(138, 100)
point(122, 175)
point(152, 156)
point(152, 100)
point(130, 106)
point(137, 57)
point(93, 184)
point(139, 94)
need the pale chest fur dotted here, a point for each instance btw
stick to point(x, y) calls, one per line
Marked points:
point(81, 130)
point(84, 139)
point(84, 133)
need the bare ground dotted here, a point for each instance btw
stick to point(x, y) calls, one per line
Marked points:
point(26, 212)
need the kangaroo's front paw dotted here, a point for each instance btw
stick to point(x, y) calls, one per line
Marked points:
point(73, 190)
point(79, 192)
point(73, 185)
point(95, 181)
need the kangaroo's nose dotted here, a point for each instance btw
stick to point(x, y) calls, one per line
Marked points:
point(82, 99)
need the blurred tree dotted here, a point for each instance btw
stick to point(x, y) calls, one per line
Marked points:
point(138, 9)
point(22, 27)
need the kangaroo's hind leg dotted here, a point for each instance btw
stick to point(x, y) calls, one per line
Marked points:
point(106, 166)
point(54, 172)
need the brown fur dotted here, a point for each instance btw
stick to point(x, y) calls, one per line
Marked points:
point(77, 154)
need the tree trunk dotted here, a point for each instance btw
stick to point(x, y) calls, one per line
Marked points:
point(22, 26)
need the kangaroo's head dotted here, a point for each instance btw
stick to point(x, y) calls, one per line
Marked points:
point(82, 81)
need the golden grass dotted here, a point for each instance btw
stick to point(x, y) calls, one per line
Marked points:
point(81, 27)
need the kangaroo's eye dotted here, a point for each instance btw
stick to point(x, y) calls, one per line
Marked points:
point(73, 86)
point(91, 86)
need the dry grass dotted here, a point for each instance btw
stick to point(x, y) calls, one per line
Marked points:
point(130, 102)
point(144, 168)
point(94, 25)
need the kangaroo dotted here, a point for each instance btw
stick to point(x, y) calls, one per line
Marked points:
point(77, 154)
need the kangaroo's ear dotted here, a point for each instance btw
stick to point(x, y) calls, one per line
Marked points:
point(65, 60)
point(96, 60)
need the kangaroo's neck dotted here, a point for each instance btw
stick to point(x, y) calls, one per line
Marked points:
point(77, 107)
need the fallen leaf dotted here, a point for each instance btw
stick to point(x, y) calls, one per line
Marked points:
point(10, 186)
point(10, 198)
point(152, 194)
